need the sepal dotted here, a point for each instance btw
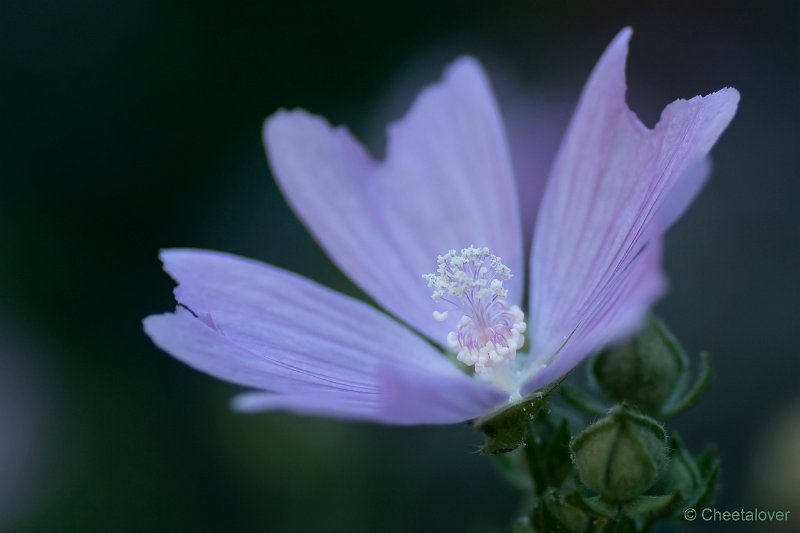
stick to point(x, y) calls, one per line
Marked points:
point(506, 428)
point(650, 372)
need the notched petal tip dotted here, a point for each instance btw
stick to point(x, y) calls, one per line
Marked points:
point(701, 119)
point(464, 75)
point(607, 149)
point(149, 323)
point(722, 101)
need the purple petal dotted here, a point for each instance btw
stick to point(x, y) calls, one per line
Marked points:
point(446, 183)
point(444, 400)
point(615, 316)
point(405, 398)
point(614, 188)
point(314, 350)
point(683, 193)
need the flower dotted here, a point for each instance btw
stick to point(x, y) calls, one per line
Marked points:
point(444, 198)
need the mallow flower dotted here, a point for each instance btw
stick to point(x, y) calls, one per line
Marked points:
point(433, 234)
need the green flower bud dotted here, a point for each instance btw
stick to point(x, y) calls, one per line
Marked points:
point(620, 456)
point(645, 372)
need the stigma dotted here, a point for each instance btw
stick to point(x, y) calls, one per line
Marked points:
point(489, 332)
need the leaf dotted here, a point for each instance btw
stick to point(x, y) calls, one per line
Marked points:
point(512, 466)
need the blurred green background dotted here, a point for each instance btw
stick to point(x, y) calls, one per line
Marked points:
point(131, 126)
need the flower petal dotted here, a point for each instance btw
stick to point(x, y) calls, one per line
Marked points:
point(614, 188)
point(405, 398)
point(446, 183)
point(258, 326)
point(617, 315)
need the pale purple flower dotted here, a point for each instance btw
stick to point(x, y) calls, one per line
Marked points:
point(446, 184)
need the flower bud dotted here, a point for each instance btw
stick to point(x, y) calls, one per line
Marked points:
point(620, 456)
point(645, 372)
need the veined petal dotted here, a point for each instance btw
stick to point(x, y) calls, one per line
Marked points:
point(446, 184)
point(618, 314)
point(613, 189)
point(405, 398)
point(442, 399)
point(265, 328)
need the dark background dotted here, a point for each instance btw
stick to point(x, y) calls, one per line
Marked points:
point(132, 126)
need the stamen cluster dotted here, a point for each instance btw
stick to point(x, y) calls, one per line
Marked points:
point(489, 331)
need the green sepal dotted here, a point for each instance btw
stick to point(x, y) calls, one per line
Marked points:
point(682, 476)
point(708, 465)
point(622, 455)
point(646, 372)
point(594, 505)
point(651, 505)
point(554, 514)
point(699, 387)
point(583, 401)
point(506, 428)
point(692, 481)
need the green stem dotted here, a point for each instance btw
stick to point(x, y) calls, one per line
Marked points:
point(534, 461)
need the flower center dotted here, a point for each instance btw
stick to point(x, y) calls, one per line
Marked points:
point(489, 332)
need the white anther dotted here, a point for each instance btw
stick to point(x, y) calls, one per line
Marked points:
point(440, 316)
point(452, 340)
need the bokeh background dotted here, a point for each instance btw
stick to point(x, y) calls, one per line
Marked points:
point(128, 126)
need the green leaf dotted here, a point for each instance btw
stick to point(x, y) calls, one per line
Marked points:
point(513, 467)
